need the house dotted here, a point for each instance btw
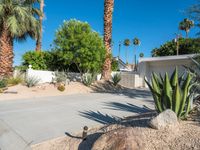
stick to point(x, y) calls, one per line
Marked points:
point(123, 66)
point(161, 65)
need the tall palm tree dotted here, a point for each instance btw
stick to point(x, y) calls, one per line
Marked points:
point(186, 25)
point(17, 21)
point(39, 38)
point(127, 44)
point(108, 13)
point(136, 42)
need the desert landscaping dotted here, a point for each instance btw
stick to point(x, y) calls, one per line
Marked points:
point(99, 75)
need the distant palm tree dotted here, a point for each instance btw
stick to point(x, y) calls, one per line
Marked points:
point(141, 55)
point(119, 52)
point(127, 44)
point(39, 38)
point(186, 25)
point(17, 21)
point(108, 13)
point(136, 42)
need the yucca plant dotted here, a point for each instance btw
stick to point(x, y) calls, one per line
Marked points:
point(172, 93)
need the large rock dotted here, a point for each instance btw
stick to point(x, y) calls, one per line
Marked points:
point(166, 119)
point(120, 139)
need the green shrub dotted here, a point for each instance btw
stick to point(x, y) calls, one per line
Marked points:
point(3, 83)
point(32, 81)
point(87, 79)
point(61, 88)
point(116, 79)
point(15, 80)
point(172, 93)
point(39, 60)
point(115, 65)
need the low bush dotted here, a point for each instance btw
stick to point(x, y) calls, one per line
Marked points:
point(116, 79)
point(172, 93)
point(3, 83)
point(61, 88)
point(87, 79)
point(32, 81)
point(15, 80)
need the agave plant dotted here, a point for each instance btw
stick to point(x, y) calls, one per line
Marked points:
point(172, 93)
point(87, 79)
point(116, 79)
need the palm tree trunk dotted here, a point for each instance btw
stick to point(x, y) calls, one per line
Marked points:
point(187, 33)
point(108, 13)
point(6, 53)
point(39, 39)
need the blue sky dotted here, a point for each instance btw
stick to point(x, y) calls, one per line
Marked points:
point(152, 21)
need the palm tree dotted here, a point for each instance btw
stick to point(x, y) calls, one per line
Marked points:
point(141, 55)
point(127, 44)
point(119, 52)
point(17, 21)
point(136, 42)
point(108, 13)
point(186, 25)
point(39, 38)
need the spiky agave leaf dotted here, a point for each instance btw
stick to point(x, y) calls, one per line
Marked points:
point(185, 89)
point(167, 92)
point(156, 97)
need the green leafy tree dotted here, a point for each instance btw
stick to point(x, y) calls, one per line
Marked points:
point(186, 46)
point(40, 60)
point(127, 44)
point(17, 22)
point(186, 25)
point(76, 43)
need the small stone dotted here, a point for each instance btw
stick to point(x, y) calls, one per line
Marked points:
point(166, 119)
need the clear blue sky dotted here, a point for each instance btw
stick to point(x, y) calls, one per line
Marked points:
point(152, 21)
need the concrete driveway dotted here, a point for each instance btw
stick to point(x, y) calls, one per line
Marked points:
point(35, 120)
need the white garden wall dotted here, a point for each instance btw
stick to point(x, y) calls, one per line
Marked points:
point(42, 76)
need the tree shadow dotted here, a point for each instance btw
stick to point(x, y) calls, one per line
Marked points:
point(100, 117)
point(140, 119)
point(108, 87)
point(88, 143)
point(128, 107)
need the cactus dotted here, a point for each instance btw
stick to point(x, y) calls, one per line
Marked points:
point(172, 93)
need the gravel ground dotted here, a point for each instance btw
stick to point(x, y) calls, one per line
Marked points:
point(185, 137)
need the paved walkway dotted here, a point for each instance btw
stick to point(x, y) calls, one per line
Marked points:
point(37, 120)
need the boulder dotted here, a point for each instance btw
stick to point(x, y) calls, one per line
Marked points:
point(120, 139)
point(166, 119)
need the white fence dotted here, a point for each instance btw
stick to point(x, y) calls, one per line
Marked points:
point(42, 76)
point(129, 79)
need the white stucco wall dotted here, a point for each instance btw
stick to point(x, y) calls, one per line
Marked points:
point(42, 76)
